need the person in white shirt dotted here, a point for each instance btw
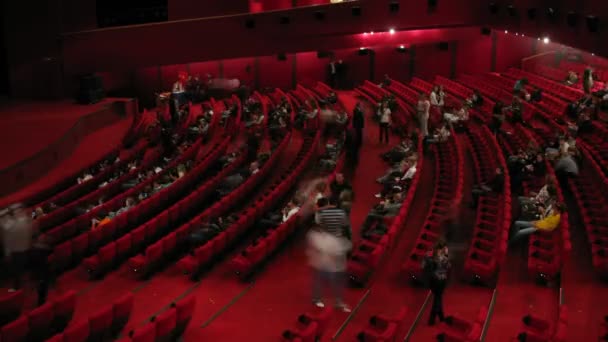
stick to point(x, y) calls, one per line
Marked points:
point(441, 135)
point(385, 122)
point(290, 210)
point(411, 172)
point(434, 96)
point(423, 108)
point(440, 96)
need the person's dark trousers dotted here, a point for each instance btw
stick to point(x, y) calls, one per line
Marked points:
point(384, 132)
point(359, 136)
point(563, 177)
point(42, 272)
point(437, 287)
point(18, 264)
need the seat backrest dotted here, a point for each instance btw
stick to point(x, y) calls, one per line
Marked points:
point(123, 306)
point(41, 317)
point(101, 321)
point(107, 253)
point(147, 333)
point(65, 304)
point(77, 332)
point(166, 323)
point(15, 331)
point(185, 308)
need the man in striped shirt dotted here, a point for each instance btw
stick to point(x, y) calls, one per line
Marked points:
point(328, 247)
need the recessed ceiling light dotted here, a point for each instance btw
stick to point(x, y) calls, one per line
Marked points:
point(391, 31)
point(546, 40)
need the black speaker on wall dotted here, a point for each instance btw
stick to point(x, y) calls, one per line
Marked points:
point(443, 46)
point(393, 7)
point(532, 13)
point(572, 19)
point(91, 89)
point(593, 23)
point(282, 57)
point(486, 31)
point(323, 54)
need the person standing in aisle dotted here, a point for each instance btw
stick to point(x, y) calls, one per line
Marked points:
point(358, 123)
point(437, 265)
point(385, 122)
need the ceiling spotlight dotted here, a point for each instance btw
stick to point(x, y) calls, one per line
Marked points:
point(592, 54)
point(391, 31)
point(506, 31)
point(546, 40)
point(403, 47)
point(365, 33)
point(517, 34)
point(361, 48)
point(372, 33)
point(538, 38)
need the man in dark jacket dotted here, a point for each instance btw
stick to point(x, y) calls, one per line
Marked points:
point(358, 123)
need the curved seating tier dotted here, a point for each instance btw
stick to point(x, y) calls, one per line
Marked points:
point(43, 321)
point(590, 189)
point(368, 252)
point(166, 326)
point(447, 196)
point(72, 251)
point(90, 192)
point(202, 256)
point(560, 90)
point(458, 329)
point(144, 264)
point(124, 246)
point(10, 306)
point(493, 215)
point(261, 249)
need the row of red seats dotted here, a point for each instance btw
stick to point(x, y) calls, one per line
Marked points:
point(144, 237)
point(559, 75)
point(496, 93)
point(304, 99)
point(597, 143)
point(69, 210)
point(536, 329)
point(11, 305)
point(403, 92)
point(600, 72)
point(218, 209)
point(548, 251)
point(383, 328)
point(310, 326)
point(405, 112)
point(255, 254)
point(567, 93)
point(368, 252)
point(590, 189)
point(194, 264)
point(72, 251)
point(463, 93)
point(447, 195)
point(166, 326)
point(458, 329)
point(70, 220)
point(76, 190)
point(103, 325)
point(493, 217)
point(421, 85)
point(42, 322)
point(549, 103)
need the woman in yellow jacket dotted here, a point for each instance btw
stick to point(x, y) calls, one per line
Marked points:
point(549, 222)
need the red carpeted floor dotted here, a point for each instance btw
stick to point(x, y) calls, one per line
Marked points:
point(91, 148)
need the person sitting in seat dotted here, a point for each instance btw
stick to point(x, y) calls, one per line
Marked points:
point(208, 230)
point(100, 220)
point(386, 208)
point(496, 186)
point(398, 180)
point(550, 219)
point(399, 152)
point(274, 219)
point(475, 101)
point(338, 185)
point(571, 78)
point(440, 135)
point(233, 181)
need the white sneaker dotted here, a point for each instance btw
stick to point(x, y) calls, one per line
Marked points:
point(344, 308)
point(319, 304)
point(378, 195)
